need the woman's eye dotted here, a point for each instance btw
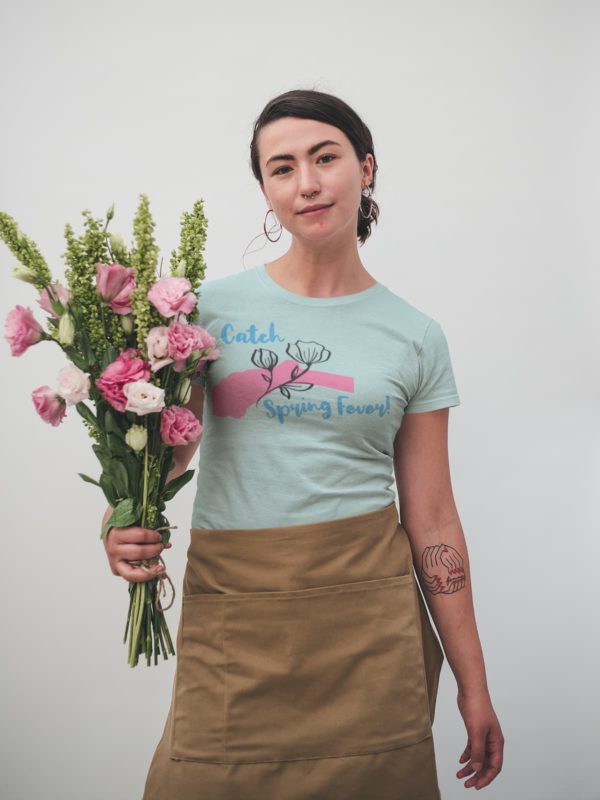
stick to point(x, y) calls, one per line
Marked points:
point(279, 172)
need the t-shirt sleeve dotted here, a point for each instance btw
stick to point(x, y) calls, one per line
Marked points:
point(436, 387)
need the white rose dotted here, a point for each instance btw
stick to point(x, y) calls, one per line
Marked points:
point(143, 397)
point(73, 385)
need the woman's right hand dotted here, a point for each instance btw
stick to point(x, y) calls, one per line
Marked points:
point(131, 544)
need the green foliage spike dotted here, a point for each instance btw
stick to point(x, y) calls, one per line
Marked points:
point(144, 259)
point(23, 248)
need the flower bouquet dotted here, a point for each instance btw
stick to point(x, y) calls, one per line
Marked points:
point(133, 343)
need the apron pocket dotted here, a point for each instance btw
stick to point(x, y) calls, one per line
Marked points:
point(307, 673)
point(198, 720)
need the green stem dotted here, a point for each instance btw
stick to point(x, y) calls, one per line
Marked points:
point(145, 494)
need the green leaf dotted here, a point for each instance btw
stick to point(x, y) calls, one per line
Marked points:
point(116, 445)
point(87, 479)
point(110, 354)
point(111, 423)
point(86, 349)
point(88, 415)
point(166, 466)
point(103, 455)
point(76, 358)
point(125, 514)
point(119, 477)
point(108, 489)
point(176, 484)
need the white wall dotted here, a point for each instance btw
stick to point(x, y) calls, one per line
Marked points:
point(486, 122)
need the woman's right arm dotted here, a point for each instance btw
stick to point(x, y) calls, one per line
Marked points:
point(129, 544)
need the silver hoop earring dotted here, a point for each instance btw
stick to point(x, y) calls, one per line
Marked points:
point(270, 211)
point(369, 195)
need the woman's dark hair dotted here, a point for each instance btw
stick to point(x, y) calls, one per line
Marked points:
point(311, 104)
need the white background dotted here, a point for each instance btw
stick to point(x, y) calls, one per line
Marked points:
point(486, 124)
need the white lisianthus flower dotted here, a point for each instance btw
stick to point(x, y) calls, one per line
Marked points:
point(73, 385)
point(144, 397)
point(136, 437)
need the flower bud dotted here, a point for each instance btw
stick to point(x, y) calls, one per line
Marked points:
point(116, 241)
point(127, 323)
point(136, 437)
point(185, 391)
point(111, 212)
point(179, 271)
point(66, 330)
point(24, 273)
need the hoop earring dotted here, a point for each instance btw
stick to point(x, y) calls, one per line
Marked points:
point(369, 195)
point(265, 227)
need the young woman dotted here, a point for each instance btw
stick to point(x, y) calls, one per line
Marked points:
point(307, 663)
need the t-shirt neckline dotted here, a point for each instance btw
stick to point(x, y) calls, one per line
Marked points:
point(294, 297)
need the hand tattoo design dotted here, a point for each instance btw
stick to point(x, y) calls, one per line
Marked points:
point(442, 569)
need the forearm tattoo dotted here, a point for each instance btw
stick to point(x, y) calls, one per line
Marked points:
point(442, 570)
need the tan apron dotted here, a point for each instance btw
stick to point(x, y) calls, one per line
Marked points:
point(307, 668)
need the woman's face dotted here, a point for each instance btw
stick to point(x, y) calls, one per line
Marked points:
point(332, 174)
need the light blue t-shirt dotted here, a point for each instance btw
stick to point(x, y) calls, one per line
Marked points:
point(304, 401)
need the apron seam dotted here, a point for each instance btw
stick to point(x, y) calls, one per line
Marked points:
point(306, 758)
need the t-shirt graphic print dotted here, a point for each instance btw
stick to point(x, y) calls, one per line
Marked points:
point(303, 404)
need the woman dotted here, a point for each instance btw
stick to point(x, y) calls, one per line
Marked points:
point(307, 663)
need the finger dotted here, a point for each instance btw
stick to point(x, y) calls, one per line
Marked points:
point(137, 574)
point(493, 765)
point(133, 552)
point(486, 777)
point(137, 535)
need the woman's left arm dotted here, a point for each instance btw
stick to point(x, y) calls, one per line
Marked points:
point(429, 516)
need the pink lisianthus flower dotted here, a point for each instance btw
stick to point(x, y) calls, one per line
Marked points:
point(60, 293)
point(115, 284)
point(49, 405)
point(184, 339)
point(179, 425)
point(157, 343)
point(128, 367)
point(172, 295)
point(22, 330)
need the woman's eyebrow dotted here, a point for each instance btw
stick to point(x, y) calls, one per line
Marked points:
point(311, 151)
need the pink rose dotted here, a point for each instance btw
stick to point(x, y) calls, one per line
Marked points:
point(128, 367)
point(59, 292)
point(157, 343)
point(179, 425)
point(49, 405)
point(184, 339)
point(115, 283)
point(22, 330)
point(171, 296)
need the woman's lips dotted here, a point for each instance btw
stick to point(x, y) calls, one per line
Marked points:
point(315, 213)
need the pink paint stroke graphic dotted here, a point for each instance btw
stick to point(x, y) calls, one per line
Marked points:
point(234, 395)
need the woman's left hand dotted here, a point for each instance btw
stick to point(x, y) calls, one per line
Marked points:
point(485, 743)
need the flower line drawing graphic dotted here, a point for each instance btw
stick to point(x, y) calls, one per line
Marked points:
point(305, 353)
